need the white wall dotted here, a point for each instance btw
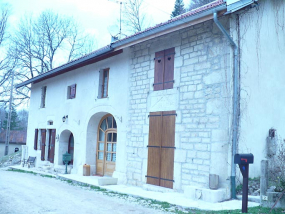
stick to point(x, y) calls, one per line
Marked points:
point(81, 109)
point(12, 147)
point(262, 78)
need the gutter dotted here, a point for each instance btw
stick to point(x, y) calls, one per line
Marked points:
point(235, 103)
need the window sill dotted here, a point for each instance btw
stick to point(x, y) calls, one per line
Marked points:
point(102, 98)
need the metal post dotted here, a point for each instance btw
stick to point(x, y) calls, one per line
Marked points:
point(7, 138)
point(244, 168)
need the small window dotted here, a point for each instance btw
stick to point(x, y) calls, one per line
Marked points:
point(43, 97)
point(50, 122)
point(164, 69)
point(71, 91)
point(103, 83)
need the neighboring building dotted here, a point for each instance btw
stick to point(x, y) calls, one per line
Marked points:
point(17, 139)
point(156, 108)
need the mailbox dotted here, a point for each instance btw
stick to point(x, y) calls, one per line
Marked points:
point(66, 158)
point(243, 160)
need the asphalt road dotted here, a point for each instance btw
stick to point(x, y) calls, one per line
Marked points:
point(22, 193)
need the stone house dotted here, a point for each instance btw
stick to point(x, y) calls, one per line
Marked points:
point(167, 107)
point(17, 140)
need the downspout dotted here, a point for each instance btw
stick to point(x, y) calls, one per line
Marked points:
point(235, 104)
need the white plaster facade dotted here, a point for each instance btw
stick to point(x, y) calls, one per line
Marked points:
point(84, 112)
point(201, 97)
point(262, 73)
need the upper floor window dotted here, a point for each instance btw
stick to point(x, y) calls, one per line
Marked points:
point(103, 83)
point(71, 91)
point(43, 97)
point(164, 69)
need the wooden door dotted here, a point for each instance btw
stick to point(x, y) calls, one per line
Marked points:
point(161, 148)
point(71, 147)
point(106, 146)
point(167, 149)
point(43, 144)
point(154, 143)
point(110, 153)
point(51, 145)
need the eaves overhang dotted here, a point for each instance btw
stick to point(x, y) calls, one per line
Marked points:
point(192, 17)
point(90, 58)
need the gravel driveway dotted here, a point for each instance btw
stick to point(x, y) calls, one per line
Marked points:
point(22, 193)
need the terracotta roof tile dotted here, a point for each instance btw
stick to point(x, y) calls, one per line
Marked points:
point(182, 16)
point(16, 136)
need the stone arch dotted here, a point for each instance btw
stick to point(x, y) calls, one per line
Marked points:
point(91, 138)
point(63, 144)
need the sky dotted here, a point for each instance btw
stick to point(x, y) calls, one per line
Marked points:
point(97, 17)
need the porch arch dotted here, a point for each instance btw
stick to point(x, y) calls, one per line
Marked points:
point(92, 139)
point(65, 139)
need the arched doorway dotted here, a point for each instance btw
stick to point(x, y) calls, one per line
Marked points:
point(106, 146)
point(71, 147)
point(66, 144)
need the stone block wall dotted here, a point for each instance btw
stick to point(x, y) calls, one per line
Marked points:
point(200, 96)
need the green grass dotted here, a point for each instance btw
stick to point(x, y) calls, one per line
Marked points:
point(158, 205)
point(22, 171)
point(254, 179)
point(30, 172)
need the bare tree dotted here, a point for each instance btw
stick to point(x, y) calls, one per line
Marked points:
point(4, 14)
point(23, 119)
point(43, 43)
point(7, 64)
point(134, 18)
point(78, 42)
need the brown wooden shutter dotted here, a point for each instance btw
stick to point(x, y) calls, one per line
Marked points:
point(72, 91)
point(158, 71)
point(101, 72)
point(52, 146)
point(161, 148)
point(167, 148)
point(105, 84)
point(43, 145)
point(168, 68)
point(36, 140)
point(154, 143)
